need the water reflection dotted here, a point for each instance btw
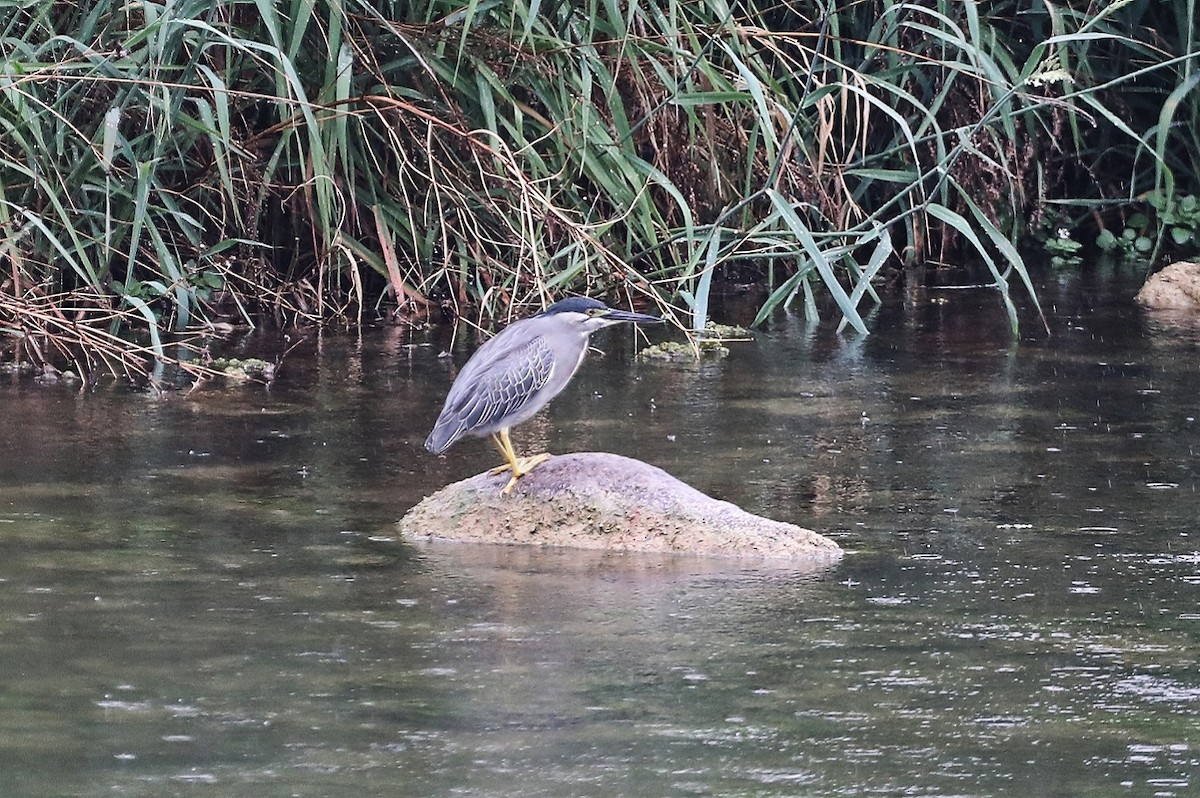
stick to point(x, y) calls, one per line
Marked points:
point(203, 596)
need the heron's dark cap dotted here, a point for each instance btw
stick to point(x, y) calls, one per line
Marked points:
point(575, 304)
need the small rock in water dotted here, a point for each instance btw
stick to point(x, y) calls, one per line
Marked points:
point(595, 500)
point(1176, 287)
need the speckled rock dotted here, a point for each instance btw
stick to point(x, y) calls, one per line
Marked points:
point(1176, 287)
point(594, 500)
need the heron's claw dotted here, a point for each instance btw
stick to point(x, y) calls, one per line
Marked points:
point(520, 467)
point(524, 465)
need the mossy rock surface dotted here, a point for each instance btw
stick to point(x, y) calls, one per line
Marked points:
point(595, 500)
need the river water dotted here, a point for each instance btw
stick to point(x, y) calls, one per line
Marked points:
point(203, 595)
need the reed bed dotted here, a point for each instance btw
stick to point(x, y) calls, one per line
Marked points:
point(163, 166)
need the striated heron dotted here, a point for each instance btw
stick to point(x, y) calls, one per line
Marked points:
point(514, 375)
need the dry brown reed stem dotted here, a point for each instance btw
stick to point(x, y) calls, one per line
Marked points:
point(73, 330)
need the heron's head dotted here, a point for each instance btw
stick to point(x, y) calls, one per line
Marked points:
point(588, 315)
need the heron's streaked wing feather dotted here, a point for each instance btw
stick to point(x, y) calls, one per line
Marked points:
point(503, 391)
point(494, 385)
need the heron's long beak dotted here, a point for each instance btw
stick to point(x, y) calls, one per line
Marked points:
point(614, 316)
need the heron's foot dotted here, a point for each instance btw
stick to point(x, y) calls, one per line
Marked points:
point(522, 467)
point(524, 464)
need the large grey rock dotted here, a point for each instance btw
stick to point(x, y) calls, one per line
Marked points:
point(1176, 287)
point(594, 500)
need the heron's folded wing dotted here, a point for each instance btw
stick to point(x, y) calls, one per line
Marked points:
point(495, 390)
point(508, 386)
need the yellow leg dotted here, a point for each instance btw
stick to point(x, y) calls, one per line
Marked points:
point(520, 466)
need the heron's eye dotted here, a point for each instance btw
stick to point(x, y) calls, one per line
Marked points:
point(594, 312)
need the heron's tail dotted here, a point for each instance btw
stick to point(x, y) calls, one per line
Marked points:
point(445, 433)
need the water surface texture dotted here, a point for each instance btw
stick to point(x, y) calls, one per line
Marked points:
point(203, 595)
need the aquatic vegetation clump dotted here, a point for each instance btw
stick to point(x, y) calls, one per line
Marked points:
point(244, 369)
point(679, 351)
point(1170, 224)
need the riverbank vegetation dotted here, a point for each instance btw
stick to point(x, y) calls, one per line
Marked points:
point(165, 168)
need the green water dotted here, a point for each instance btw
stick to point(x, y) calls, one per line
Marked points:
point(203, 595)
